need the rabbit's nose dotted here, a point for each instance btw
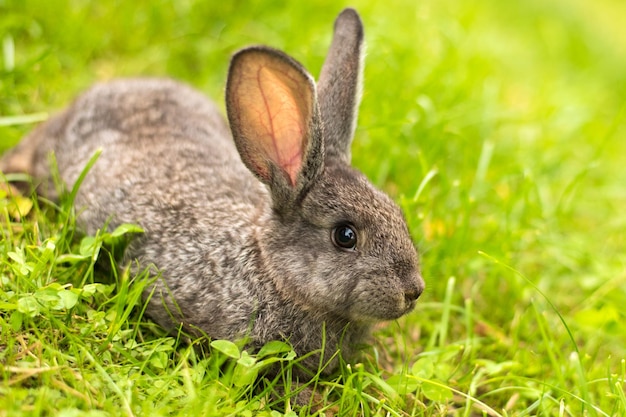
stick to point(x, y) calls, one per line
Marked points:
point(413, 292)
point(412, 295)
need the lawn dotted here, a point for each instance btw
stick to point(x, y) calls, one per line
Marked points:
point(500, 128)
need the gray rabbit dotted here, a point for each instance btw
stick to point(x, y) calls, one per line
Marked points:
point(262, 231)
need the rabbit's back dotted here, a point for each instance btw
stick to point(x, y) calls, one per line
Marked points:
point(164, 145)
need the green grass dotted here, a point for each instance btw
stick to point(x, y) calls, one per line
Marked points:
point(499, 127)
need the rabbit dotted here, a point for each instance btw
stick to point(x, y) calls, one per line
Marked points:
point(260, 228)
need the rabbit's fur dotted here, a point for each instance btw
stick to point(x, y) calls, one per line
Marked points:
point(246, 250)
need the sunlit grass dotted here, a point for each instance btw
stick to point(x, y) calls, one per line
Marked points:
point(499, 128)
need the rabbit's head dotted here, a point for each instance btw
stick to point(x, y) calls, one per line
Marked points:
point(334, 242)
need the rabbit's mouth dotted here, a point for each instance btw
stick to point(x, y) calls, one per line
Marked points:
point(381, 298)
point(374, 311)
point(410, 306)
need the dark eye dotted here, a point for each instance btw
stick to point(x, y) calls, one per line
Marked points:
point(344, 236)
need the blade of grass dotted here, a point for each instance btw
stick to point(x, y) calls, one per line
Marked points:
point(23, 119)
point(583, 379)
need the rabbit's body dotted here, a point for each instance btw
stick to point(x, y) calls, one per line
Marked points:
point(290, 244)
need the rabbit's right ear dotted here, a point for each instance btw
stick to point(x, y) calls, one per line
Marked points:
point(271, 102)
point(340, 84)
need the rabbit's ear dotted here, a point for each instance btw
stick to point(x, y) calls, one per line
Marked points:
point(340, 82)
point(272, 108)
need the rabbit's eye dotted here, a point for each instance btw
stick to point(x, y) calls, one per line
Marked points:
point(344, 237)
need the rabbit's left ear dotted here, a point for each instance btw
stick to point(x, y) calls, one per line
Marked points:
point(272, 108)
point(340, 84)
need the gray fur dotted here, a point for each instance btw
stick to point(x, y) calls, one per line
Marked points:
point(245, 249)
point(340, 83)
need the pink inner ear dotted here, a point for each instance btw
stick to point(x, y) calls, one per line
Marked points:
point(275, 104)
point(282, 134)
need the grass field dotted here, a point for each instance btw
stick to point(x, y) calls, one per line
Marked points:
point(499, 127)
